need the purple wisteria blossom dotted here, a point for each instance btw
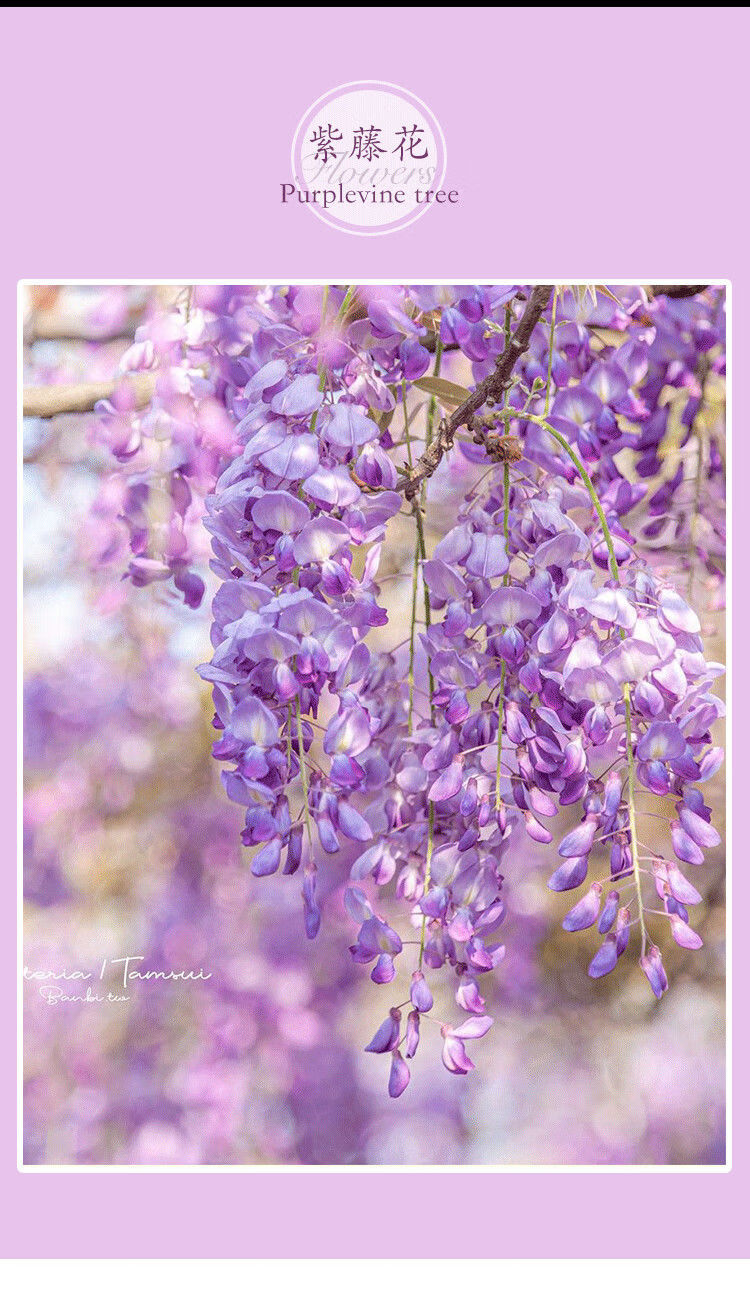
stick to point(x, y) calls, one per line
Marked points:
point(551, 670)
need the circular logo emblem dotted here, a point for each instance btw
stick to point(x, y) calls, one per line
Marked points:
point(368, 157)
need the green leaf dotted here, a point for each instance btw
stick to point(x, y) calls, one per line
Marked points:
point(448, 393)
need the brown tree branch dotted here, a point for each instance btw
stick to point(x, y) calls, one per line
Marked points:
point(48, 327)
point(677, 290)
point(81, 397)
point(493, 388)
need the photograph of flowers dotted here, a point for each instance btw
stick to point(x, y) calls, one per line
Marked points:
point(374, 723)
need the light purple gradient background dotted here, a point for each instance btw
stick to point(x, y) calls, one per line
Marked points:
point(126, 134)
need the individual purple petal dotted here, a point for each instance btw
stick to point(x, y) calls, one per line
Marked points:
point(301, 397)
point(461, 926)
point(414, 357)
point(509, 606)
point(675, 614)
point(435, 902)
point(284, 681)
point(448, 783)
point(352, 824)
point(267, 377)
point(536, 830)
point(613, 605)
point(412, 1033)
point(348, 426)
point(711, 763)
point(580, 840)
point(605, 958)
point(357, 904)
point(681, 888)
point(254, 723)
point(555, 634)
point(442, 753)
point(577, 404)
point(653, 968)
point(386, 1036)
point(697, 828)
point(443, 581)
point(585, 912)
point(683, 934)
point(559, 550)
point(319, 539)
point(480, 957)
point(375, 937)
point(648, 700)
point(487, 557)
point(607, 380)
point(468, 996)
point(332, 486)
point(419, 993)
point(375, 468)
point(474, 1028)
point(384, 970)
point(399, 1076)
point(631, 659)
point(293, 458)
point(570, 874)
point(684, 846)
point(609, 912)
point(267, 859)
point(349, 732)
point(454, 1056)
point(622, 931)
point(279, 511)
point(662, 741)
point(454, 547)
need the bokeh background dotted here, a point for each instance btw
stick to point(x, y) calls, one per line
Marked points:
point(131, 847)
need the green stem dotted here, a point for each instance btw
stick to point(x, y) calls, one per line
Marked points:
point(419, 504)
point(433, 401)
point(414, 574)
point(632, 821)
point(428, 867)
point(548, 392)
point(349, 294)
point(422, 550)
point(615, 573)
point(346, 303)
point(303, 772)
point(698, 478)
point(503, 667)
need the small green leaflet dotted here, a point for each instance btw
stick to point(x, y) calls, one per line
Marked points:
point(448, 393)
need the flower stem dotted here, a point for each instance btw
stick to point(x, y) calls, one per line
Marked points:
point(433, 401)
point(346, 303)
point(303, 773)
point(414, 575)
point(422, 548)
point(503, 667)
point(427, 870)
point(548, 392)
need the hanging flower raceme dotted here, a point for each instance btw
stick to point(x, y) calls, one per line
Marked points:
point(553, 669)
point(287, 519)
point(172, 447)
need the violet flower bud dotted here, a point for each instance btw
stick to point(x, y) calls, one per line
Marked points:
point(653, 968)
point(399, 1076)
point(419, 993)
point(386, 1036)
point(605, 959)
point(412, 1034)
point(585, 912)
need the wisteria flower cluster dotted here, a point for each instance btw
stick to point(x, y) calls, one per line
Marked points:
point(551, 666)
